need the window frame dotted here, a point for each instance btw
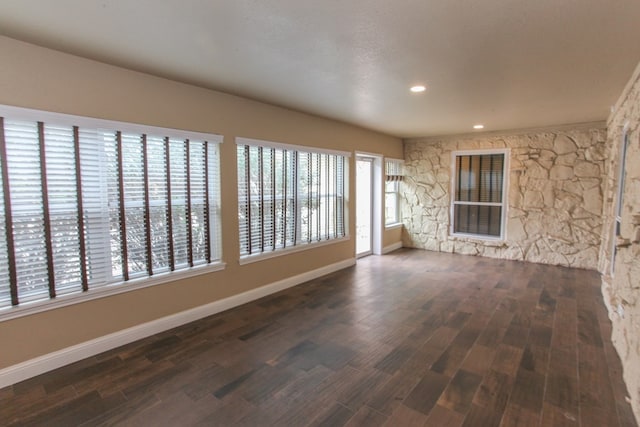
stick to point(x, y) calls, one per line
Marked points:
point(505, 195)
point(397, 222)
point(104, 288)
point(298, 244)
point(619, 201)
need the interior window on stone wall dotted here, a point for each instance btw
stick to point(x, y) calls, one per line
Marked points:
point(479, 181)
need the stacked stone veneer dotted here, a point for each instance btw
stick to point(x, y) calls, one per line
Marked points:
point(555, 189)
point(621, 288)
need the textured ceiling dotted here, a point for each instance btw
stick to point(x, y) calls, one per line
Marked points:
point(505, 63)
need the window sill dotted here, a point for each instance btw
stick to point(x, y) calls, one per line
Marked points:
point(248, 259)
point(393, 226)
point(27, 309)
point(482, 240)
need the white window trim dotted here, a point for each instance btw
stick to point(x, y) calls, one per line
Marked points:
point(505, 194)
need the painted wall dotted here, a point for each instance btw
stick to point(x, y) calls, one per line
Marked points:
point(39, 78)
point(555, 187)
point(621, 288)
point(392, 235)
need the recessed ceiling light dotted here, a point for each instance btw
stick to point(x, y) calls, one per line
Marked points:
point(418, 88)
point(478, 126)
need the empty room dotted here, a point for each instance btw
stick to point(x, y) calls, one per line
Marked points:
point(290, 213)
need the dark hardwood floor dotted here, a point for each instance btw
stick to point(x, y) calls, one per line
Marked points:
point(413, 338)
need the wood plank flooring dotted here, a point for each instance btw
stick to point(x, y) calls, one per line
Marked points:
point(413, 338)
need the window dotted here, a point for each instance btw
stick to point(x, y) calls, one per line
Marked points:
point(288, 196)
point(617, 221)
point(86, 203)
point(393, 176)
point(479, 183)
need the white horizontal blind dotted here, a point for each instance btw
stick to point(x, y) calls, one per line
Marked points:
point(81, 208)
point(288, 197)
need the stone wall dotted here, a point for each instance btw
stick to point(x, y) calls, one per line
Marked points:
point(621, 289)
point(555, 193)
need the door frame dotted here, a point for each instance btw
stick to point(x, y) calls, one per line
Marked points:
point(376, 201)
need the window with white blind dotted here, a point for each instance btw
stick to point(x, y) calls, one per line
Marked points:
point(479, 184)
point(86, 203)
point(289, 196)
point(393, 176)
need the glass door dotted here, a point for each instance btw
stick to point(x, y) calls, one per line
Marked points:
point(364, 205)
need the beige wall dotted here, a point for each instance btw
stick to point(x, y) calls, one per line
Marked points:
point(622, 289)
point(391, 236)
point(39, 78)
point(554, 197)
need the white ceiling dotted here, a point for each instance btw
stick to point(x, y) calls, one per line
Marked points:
point(505, 63)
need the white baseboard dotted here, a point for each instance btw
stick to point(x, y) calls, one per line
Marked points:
point(391, 247)
point(57, 359)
